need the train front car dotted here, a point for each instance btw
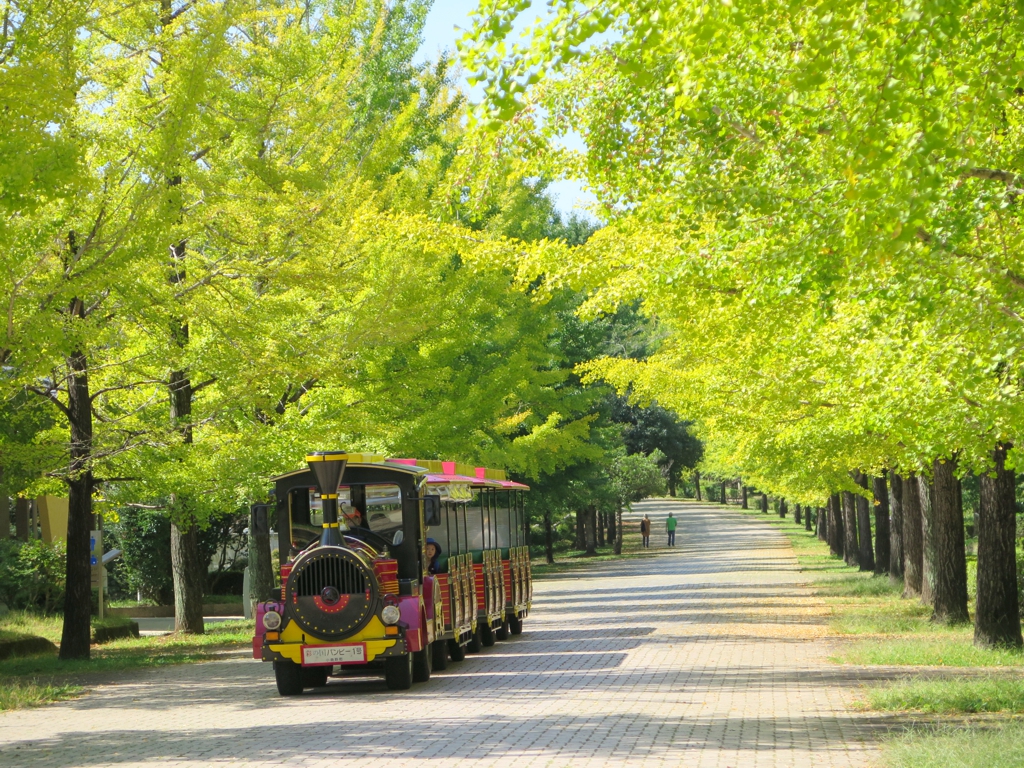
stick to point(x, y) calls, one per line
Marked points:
point(355, 587)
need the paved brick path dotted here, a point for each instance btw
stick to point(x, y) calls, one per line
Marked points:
point(709, 655)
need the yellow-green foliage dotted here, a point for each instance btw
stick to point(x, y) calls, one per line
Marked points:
point(818, 201)
point(295, 168)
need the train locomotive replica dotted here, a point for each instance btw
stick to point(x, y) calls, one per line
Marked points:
point(395, 566)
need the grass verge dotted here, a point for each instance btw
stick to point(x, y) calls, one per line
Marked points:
point(950, 696)
point(968, 747)
point(25, 624)
point(19, 695)
point(570, 560)
point(884, 629)
point(33, 680)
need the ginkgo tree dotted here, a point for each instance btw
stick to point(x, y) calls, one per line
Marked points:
point(249, 231)
point(820, 198)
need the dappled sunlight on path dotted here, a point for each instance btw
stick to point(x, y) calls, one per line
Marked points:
point(711, 653)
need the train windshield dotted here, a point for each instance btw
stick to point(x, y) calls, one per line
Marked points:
point(383, 508)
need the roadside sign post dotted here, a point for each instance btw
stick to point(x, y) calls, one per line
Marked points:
point(96, 560)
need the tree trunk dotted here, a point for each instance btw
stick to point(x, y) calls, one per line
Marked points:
point(798, 514)
point(782, 507)
point(836, 535)
point(619, 529)
point(613, 527)
point(724, 497)
point(866, 554)
point(764, 503)
point(600, 529)
point(76, 632)
point(591, 530)
point(581, 537)
point(895, 527)
point(549, 541)
point(189, 585)
point(997, 613)
point(807, 519)
point(927, 498)
point(189, 575)
point(881, 504)
point(696, 484)
point(261, 568)
point(851, 546)
point(743, 497)
point(913, 541)
point(671, 484)
point(821, 521)
point(950, 556)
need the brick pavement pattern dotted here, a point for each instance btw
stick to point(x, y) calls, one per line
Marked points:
point(709, 654)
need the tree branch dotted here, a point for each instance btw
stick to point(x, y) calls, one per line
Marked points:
point(134, 384)
point(203, 385)
point(1014, 181)
point(51, 395)
point(289, 397)
point(101, 480)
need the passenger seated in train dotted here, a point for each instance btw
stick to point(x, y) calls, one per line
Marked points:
point(433, 554)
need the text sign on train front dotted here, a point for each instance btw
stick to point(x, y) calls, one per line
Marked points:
point(334, 654)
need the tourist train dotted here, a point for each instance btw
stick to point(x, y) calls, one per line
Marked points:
point(395, 565)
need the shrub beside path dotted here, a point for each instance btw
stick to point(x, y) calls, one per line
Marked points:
point(711, 654)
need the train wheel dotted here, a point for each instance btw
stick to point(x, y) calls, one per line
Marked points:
point(289, 678)
point(502, 632)
point(486, 635)
point(515, 625)
point(456, 651)
point(398, 672)
point(474, 645)
point(440, 651)
point(315, 677)
point(422, 665)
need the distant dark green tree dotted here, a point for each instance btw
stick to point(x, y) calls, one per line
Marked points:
point(655, 428)
point(634, 478)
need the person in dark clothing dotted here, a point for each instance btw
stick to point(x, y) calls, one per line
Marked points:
point(433, 553)
point(645, 530)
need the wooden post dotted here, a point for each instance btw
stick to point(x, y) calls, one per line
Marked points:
point(99, 565)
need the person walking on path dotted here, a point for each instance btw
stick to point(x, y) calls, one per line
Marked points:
point(645, 530)
point(670, 526)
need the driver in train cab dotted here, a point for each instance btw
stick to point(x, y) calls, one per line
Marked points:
point(354, 518)
point(433, 553)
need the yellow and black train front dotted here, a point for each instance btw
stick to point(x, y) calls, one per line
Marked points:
point(351, 579)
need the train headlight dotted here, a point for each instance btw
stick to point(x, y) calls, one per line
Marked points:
point(390, 614)
point(272, 620)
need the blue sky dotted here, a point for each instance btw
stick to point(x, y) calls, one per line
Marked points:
point(439, 34)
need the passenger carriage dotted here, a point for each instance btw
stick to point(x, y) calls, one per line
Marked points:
point(485, 565)
point(355, 586)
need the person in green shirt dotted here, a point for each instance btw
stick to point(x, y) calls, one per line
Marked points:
point(670, 526)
